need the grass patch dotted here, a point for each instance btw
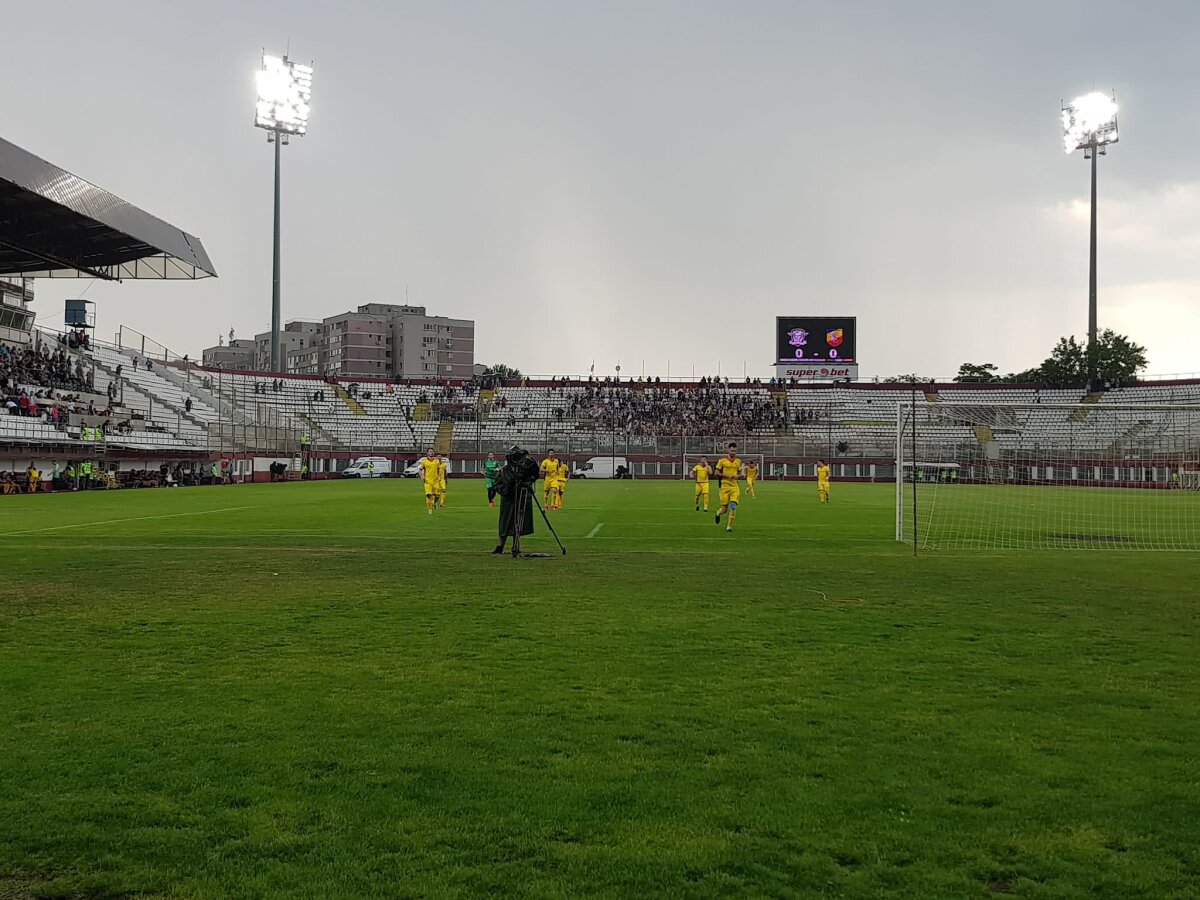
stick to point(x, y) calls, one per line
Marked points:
point(317, 690)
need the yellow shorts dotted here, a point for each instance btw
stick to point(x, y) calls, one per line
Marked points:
point(702, 488)
point(730, 493)
point(431, 487)
point(823, 486)
point(750, 481)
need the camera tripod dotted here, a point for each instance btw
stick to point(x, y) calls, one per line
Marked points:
point(524, 495)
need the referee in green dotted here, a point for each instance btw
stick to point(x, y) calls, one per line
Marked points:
point(491, 471)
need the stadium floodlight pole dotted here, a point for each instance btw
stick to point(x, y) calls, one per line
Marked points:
point(613, 442)
point(914, 464)
point(284, 96)
point(1090, 124)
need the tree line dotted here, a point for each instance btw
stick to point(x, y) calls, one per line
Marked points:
point(1118, 362)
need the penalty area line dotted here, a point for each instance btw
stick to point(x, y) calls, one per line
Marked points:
point(595, 531)
point(202, 512)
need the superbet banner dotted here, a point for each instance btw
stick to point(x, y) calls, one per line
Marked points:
point(815, 372)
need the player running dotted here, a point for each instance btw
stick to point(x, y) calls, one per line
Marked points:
point(491, 473)
point(751, 477)
point(729, 468)
point(564, 472)
point(549, 473)
point(702, 472)
point(443, 468)
point(429, 477)
point(822, 481)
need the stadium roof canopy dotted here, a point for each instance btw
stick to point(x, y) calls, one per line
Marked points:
point(56, 225)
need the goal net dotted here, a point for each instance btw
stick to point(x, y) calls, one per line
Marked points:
point(690, 460)
point(1087, 476)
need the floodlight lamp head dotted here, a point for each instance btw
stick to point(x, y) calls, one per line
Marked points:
point(284, 95)
point(1089, 121)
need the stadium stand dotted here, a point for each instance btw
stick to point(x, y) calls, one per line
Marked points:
point(102, 400)
point(66, 398)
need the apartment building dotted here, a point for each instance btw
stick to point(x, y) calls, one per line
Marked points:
point(384, 340)
point(297, 334)
point(376, 340)
point(237, 354)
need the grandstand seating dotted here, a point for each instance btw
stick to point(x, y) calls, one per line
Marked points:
point(19, 429)
point(359, 415)
point(173, 407)
point(153, 395)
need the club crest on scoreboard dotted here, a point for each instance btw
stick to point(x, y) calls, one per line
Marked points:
point(834, 337)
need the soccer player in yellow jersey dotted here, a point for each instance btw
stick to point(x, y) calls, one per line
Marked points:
point(549, 473)
point(729, 468)
point(751, 477)
point(443, 468)
point(554, 484)
point(564, 472)
point(702, 472)
point(429, 477)
point(822, 481)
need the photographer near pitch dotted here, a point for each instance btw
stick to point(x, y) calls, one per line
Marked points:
point(515, 484)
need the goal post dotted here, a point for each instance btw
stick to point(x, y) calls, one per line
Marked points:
point(1048, 476)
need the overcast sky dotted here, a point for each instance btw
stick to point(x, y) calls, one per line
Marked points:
point(648, 182)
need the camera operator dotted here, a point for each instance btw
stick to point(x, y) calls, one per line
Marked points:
point(515, 485)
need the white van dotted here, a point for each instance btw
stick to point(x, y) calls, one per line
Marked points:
point(368, 467)
point(602, 467)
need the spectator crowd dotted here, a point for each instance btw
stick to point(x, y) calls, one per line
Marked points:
point(710, 409)
point(93, 474)
point(26, 365)
point(38, 384)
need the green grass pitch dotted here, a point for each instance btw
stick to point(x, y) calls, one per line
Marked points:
point(317, 690)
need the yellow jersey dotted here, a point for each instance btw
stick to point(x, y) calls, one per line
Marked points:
point(429, 470)
point(751, 471)
point(549, 468)
point(823, 474)
point(729, 469)
point(441, 471)
point(701, 473)
point(564, 470)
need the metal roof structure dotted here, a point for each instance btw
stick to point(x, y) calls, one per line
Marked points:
point(56, 225)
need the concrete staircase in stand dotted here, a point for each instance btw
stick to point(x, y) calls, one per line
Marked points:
point(1125, 441)
point(1081, 414)
point(353, 405)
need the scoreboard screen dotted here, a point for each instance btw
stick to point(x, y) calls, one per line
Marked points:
point(815, 339)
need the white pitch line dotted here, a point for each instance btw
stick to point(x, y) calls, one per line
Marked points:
point(202, 512)
point(595, 531)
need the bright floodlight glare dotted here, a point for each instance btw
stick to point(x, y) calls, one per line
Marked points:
point(284, 94)
point(1090, 120)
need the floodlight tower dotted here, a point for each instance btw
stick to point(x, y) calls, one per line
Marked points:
point(284, 94)
point(1090, 124)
